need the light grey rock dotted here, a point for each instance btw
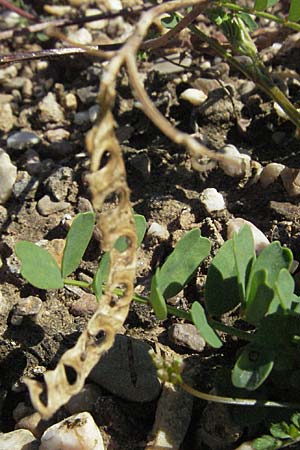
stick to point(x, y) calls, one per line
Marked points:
point(18, 440)
point(78, 432)
point(212, 200)
point(59, 183)
point(187, 335)
point(87, 94)
point(50, 110)
point(29, 306)
point(93, 113)
point(46, 206)
point(3, 214)
point(25, 185)
point(158, 231)
point(7, 118)
point(172, 418)
point(8, 175)
point(22, 139)
point(127, 371)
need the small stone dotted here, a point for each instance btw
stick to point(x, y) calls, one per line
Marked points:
point(3, 213)
point(18, 440)
point(7, 118)
point(46, 206)
point(70, 102)
point(8, 175)
point(86, 305)
point(59, 183)
point(57, 135)
point(270, 173)
point(77, 432)
point(57, 10)
point(10, 71)
point(82, 118)
point(186, 335)
point(33, 162)
point(50, 110)
point(87, 94)
point(20, 411)
point(127, 371)
point(22, 139)
point(84, 400)
point(27, 88)
point(29, 306)
point(25, 185)
point(260, 240)
point(33, 423)
point(194, 96)
point(235, 164)
point(158, 231)
point(291, 181)
point(93, 113)
point(81, 36)
point(10, 18)
point(212, 200)
point(169, 433)
point(286, 209)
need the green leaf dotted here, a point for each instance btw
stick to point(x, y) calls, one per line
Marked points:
point(296, 419)
point(284, 287)
point(221, 288)
point(294, 12)
point(141, 226)
point(77, 241)
point(249, 21)
point(266, 443)
point(182, 263)
point(206, 331)
point(244, 255)
point(252, 367)
point(259, 297)
point(280, 430)
point(170, 21)
point(97, 283)
point(39, 268)
point(260, 5)
point(157, 299)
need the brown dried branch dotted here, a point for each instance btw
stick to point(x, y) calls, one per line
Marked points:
point(18, 10)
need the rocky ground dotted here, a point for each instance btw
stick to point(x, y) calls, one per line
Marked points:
point(47, 106)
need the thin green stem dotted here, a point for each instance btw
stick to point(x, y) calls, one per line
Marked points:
point(236, 401)
point(286, 23)
point(180, 313)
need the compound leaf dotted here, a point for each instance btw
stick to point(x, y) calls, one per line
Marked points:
point(294, 12)
point(265, 443)
point(244, 255)
point(259, 297)
point(284, 287)
point(38, 266)
point(206, 331)
point(77, 241)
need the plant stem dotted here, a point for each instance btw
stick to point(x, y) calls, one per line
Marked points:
point(286, 23)
point(236, 401)
point(186, 315)
point(254, 71)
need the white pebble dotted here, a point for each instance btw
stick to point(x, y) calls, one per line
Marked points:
point(93, 113)
point(18, 440)
point(22, 139)
point(8, 175)
point(270, 173)
point(260, 240)
point(159, 231)
point(81, 36)
point(212, 200)
point(236, 164)
point(194, 96)
point(77, 432)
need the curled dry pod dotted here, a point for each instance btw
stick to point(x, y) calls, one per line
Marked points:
point(234, 164)
point(291, 181)
point(260, 240)
point(194, 96)
point(270, 173)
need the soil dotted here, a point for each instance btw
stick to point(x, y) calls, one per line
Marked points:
point(164, 188)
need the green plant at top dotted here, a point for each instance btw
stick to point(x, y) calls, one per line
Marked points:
point(236, 23)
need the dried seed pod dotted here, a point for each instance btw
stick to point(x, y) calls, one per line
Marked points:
point(260, 240)
point(194, 96)
point(291, 181)
point(270, 173)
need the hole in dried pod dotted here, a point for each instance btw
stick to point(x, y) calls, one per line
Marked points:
point(71, 374)
point(113, 198)
point(105, 159)
point(100, 337)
